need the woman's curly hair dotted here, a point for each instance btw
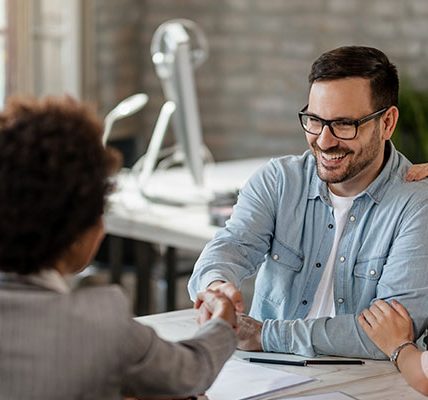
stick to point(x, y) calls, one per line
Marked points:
point(54, 177)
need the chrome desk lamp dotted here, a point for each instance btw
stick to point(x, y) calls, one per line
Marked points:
point(125, 108)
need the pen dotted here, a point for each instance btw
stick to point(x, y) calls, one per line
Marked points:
point(304, 363)
point(334, 362)
point(280, 362)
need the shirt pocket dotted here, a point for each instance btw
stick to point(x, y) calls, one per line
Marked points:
point(278, 277)
point(285, 256)
point(366, 276)
point(369, 269)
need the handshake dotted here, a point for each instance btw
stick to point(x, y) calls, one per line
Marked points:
point(224, 300)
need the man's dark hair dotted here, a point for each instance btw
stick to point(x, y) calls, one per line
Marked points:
point(362, 62)
point(53, 179)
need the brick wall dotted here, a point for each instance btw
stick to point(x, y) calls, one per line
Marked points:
point(115, 57)
point(255, 79)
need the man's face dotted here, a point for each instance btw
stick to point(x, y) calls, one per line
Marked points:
point(345, 161)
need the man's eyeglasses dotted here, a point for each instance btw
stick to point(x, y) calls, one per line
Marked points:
point(343, 128)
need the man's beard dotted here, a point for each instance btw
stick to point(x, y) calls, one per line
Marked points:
point(365, 157)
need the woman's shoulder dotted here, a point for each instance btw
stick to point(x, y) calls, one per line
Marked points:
point(101, 300)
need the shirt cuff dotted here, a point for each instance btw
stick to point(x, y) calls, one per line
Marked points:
point(212, 276)
point(273, 336)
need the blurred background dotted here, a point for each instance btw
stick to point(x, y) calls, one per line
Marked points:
point(250, 88)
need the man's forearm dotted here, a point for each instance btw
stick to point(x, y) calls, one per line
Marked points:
point(338, 336)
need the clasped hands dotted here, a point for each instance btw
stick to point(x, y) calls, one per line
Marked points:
point(224, 300)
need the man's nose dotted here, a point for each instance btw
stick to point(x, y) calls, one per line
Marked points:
point(326, 139)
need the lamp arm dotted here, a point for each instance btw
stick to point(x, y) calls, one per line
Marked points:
point(155, 144)
point(108, 124)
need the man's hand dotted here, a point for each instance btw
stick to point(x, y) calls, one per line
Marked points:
point(225, 288)
point(249, 333)
point(386, 325)
point(231, 292)
point(214, 303)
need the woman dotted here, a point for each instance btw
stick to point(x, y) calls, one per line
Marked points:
point(391, 329)
point(83, 344)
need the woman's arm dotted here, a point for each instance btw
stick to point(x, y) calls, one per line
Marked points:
point(409, 363)
point(389, 326)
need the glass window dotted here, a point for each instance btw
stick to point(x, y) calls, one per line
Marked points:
point(2, 15)
point(56, 49)
point(40, 47)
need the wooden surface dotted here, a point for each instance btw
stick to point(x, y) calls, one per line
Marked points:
point(373, 380)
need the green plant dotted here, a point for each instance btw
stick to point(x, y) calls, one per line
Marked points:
point(411, 135)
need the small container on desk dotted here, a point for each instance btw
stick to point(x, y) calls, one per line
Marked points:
point(221, 206)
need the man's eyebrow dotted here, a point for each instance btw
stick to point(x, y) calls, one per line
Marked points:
point(334, 119)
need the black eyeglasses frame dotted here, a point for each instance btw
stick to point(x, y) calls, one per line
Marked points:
point(328, 122)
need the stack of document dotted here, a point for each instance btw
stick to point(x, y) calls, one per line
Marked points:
point(240, 380)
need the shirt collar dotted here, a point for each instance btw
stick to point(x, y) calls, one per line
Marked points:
point(376, 190)
point(48, 279)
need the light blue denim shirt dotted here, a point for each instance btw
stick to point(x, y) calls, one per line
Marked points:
point(283, 229)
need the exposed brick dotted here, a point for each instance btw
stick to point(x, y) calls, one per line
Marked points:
point(337, 7)
point(386, 8)
point(255, 79)
point(419, 7)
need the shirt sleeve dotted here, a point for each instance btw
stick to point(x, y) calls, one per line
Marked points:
point(238, 250)
point(154, 366)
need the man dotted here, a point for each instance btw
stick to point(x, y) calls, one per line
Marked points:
point(332, 230)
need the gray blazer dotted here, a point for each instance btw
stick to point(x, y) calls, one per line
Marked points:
point(85, 345)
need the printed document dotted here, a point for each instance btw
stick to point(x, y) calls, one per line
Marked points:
point(240, 380)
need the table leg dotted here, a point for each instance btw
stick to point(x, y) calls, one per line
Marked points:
point(171, 277)
point(145, 258)
point(115, 255)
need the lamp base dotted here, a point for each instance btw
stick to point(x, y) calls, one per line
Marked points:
point(175, 185)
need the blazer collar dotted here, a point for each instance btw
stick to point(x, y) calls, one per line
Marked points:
point(49, 279)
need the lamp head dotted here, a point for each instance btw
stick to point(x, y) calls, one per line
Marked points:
point(128, 106)
point(125, 108)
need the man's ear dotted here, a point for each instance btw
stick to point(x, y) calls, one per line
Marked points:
point(389, 122)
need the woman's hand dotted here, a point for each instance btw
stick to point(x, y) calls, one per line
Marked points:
point(417, 172)
point(386, 325)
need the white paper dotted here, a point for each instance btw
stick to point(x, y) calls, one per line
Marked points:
point(239, 380)
point(324, 396)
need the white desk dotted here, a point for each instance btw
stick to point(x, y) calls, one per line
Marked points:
point(130, 215)
point(374, 380)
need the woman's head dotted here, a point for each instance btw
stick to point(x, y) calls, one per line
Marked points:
point(54, 178)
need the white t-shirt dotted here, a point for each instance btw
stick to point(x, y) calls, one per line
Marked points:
point(323, 305)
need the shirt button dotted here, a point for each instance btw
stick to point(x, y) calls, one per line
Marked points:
point(304, 302)
point(340, 300)
point(372, 272)
point(275, 257)
point(318, 265)
point(352, 218)
point(342, 259)
point(330, 226)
